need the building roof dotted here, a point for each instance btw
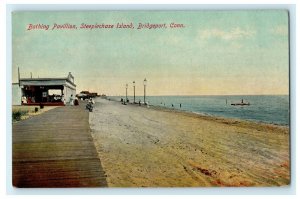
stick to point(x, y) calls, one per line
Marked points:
point(69, 79)
point(46, 79)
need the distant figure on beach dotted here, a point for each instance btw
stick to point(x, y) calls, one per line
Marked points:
point(63, 99)
point(121, 99)
point(71, 100)
point(180, 105)
point(76, 101)
point(91, 101)
point(242, 101)
point(24, 100)
point(89, 105)
point(172, 105)
point(139, 102)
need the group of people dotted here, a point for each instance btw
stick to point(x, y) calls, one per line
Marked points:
point(89, 105)
point(73, 101)
point(179, 105)
point(171, 105)
point(123, 101)
point(26, 100)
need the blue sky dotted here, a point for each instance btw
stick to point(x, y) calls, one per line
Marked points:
point(216, 53)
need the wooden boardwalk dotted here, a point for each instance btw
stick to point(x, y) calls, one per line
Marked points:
point(56, 149)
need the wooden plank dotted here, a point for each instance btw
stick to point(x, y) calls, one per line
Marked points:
point(56, 149)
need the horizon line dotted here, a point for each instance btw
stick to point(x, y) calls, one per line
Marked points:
point(201, 95)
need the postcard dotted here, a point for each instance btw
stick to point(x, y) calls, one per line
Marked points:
point(150, 99)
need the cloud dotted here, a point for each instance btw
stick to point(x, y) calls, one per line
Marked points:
point(233, 34)
point(280, 30)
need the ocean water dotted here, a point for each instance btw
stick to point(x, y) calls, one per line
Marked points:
point(272, 109)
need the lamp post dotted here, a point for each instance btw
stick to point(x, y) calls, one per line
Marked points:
point(126, 91)
point(145, 83)
point(133, 92)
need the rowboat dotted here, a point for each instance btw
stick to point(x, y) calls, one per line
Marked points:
point(242, 103)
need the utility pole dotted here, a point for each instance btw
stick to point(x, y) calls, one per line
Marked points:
point(133, 92)
point(126, 91)
point(145, 83)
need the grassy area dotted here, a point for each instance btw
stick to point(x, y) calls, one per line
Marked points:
point(24, 112)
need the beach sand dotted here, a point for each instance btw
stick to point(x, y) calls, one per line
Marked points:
point(153, 147)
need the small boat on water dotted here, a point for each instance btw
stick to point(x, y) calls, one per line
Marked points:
point(242, 103)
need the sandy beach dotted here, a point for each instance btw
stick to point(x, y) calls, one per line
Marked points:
point(152, 147)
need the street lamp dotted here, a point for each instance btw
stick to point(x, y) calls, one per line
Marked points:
point(126, 91)
point(145, 83)
point(133, 92)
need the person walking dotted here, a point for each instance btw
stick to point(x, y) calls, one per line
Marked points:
point(71, 100)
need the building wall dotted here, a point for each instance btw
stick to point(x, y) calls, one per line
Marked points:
point(16, 94)
point(68, 92)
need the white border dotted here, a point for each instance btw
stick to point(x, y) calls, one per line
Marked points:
point(6, 74)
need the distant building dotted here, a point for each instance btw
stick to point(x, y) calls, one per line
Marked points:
point(86, 95)
point(36, 91)
point(94, 94)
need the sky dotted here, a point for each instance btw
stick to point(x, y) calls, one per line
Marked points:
point(214, 53)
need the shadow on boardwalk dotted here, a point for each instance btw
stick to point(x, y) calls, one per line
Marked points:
point(56, 149)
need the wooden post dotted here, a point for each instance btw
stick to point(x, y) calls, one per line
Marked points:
point(19, 76)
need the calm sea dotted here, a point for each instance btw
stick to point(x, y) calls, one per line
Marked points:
point(263, 108)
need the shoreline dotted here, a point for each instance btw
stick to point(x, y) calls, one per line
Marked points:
point(231, 120)
point(214, 117)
